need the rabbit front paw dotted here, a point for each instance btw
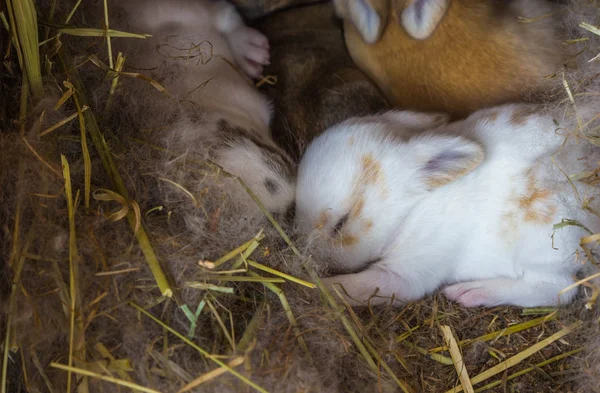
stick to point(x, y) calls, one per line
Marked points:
point(250, 49)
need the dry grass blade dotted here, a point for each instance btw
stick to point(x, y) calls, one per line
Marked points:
point(280, 274)
point(529, 369)
point(239, 250)
point(590, 28)
point(433, 356)
point(595, 238)
point(518, 358)
point(578, 283)
point(23, 15)
point(115, 80)
point(90, 32)
point(104, 352)
point(101, 377)
point(501, 333)
point(209, 287)
point(87, 161)
point(197, 348)
point(182, 188)
point(102, 194)
point(256, 278)
point(211, 375)
point(108, 41)
point(65, 96)
point(457, 358)
point(62, 122)
point(76, 337)
point(228, 335)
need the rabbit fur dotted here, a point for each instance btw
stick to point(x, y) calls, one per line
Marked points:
point(407, 203)
point(203, 54)
point(318, 84)
point(455, 56)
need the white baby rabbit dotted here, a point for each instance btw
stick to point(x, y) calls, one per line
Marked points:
point(406, 204)
point(193, 53)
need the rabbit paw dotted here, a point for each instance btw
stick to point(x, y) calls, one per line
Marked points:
point(468, 294)
point(250, 49)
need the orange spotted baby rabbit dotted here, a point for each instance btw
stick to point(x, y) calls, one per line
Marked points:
point(453, 56)
point(405, 204)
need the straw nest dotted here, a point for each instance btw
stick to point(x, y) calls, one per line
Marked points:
point(130, 266)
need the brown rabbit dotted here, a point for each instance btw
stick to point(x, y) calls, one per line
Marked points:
point(453, 56)
point(318, 84)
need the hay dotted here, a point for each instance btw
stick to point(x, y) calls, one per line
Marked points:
point(200, 290)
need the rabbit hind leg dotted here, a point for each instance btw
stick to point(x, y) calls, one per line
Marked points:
point(507, 291)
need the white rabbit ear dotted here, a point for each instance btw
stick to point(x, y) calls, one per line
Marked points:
point(444, 159)
point(368, 16)
point(421, 17)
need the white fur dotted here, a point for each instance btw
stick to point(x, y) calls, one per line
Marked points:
point(421, 17)
point(194, 48)
point(364, 17)
point(471, 233)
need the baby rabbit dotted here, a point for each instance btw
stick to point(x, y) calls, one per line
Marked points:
point(318, 85)
point(193, 53)
point(406, 203)
point(453, 56)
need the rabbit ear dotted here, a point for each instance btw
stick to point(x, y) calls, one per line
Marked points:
point(421, 17)
point(368, 16)
point(444, 159)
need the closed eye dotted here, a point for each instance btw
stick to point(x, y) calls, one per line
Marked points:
point(340, 224)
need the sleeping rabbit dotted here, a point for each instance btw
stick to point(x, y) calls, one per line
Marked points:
point(203, 54)
point(454, 56)
point(318, 85)
point(405, 203)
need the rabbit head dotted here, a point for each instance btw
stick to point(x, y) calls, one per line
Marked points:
point(358, 179)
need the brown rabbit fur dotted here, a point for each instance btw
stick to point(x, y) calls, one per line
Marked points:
point(479, 55)
point(318, 85)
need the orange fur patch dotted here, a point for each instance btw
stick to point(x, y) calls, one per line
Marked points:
point(371, 170)
point(521, 114)
point(492, 116)
point(357, 207)
point(344, 240)
point(532, 206)
point(536, 203)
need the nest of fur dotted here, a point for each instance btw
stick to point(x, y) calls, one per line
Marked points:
point(82, 309)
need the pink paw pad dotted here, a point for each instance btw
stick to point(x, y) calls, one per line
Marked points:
point(467, 295)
